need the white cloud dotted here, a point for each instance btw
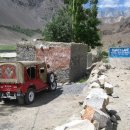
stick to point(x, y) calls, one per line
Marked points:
point(126, 3)
point(114, 3)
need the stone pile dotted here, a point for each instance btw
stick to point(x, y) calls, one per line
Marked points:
point(95, 115)
point(95, 104)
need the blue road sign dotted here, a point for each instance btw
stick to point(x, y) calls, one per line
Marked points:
point(119, 52)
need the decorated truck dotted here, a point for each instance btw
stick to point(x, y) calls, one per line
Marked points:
point(23, 79)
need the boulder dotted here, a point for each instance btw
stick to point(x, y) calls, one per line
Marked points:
point(77, 125)
point(99, 94)
point(94, 85)
point(94, 72)
point(113, 119)
point(107, 65)
point(96, 124)
point(102, 79)
point(108, 88)
point(96, 102)
point(94, 114)
point(102, 69)
point(93, 79)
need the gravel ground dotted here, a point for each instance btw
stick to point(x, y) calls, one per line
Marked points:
point(49, 110)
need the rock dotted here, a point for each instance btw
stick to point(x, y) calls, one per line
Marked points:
point(117, 117)
point(114, 95)
point(109, 125)
point(102, 79)
point(93, 79)
point(112, 112)
point(94, 72)
point(96, 102)
point(77, 125)
point(108, 66)
point(94, 85)
point(98, 93)
point(81, 103)
point(96, 124)
point(94, 114)
point(117, 86)
point(113, 119)
point(102, 68)
point(108, 88)
point(59, 84)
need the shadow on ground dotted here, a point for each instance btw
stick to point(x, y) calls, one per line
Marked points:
point(41, 98)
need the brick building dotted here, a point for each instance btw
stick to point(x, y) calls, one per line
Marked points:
point(68, 60)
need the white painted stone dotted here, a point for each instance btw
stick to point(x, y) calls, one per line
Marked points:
point(98, 93)
point(94, 85)
point(102, 79)
point(108, 88)
point(77, 125)
point(96, 102)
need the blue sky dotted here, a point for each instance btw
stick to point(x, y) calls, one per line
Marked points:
point(113, 3)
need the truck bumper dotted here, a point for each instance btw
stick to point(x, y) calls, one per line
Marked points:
point(11, 96)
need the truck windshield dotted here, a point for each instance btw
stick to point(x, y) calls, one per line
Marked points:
point(7, 72)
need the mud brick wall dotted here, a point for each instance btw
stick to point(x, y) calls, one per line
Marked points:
point(57, 57)
point(68, 60)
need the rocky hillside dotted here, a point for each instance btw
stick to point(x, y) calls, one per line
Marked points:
point(21, 15)
point(113, 14)
point(28, 13)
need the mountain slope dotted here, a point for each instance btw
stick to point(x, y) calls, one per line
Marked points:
point(28, 13)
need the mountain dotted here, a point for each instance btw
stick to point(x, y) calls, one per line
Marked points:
point(113, 14)
point(16, 16)
point(28, 13)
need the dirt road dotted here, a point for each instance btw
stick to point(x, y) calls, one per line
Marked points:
point(121, 79)
point(48, 111)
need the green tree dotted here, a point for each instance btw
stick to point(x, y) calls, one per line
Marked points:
point(75, 23)
point(84, 21)
point(59, 29)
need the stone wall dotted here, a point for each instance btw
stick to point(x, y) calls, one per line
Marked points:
point(89, 59)
point(68, 60)
point(26, 51)
point(78, 61)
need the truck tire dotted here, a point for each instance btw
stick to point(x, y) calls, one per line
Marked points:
point(52, 86)
point(51, 77)
point(30, 96)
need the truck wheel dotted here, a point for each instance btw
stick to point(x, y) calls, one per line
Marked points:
point(52, 86)
point(51, 77)
point(30, 96)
